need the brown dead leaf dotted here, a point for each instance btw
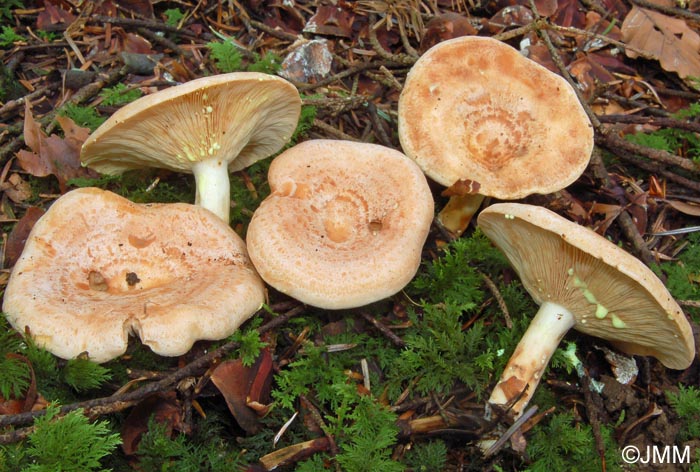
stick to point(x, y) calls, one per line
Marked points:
point(590, 74)
point(508, 17)
point(294, 453)
point(330, 20)
point(16, 188)
point(688, 208)
point(443, 27)
point(569, 14)
point(53, 18)
point(18, 235)
point(610, 212)
point(667, 39)
point(243, 387)
point(53, 155)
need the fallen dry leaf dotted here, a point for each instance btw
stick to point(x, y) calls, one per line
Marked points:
point(53, 18)
point(242, 386)
point(16, 188)
point(18, 235)
point(53, 155)
point(692, 209)
point(667, 39)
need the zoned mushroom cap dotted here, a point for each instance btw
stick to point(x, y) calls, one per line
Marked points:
point(612, 294)
point(344, 225)
point(474, 108)
point(96, 267)
point(238, 118)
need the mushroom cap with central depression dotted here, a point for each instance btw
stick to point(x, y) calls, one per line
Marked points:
point(473, 108)
point(97, 267)
point(611, 294)
point(344, 225)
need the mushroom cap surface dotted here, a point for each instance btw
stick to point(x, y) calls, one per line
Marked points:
point(474, 108)
point(612, 294)
point(97, 267)
point(344, 225)
point(239, 118)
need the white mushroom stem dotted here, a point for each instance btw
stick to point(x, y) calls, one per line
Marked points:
point(524, 370)
point(213, 187)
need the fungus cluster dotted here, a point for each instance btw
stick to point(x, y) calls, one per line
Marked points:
point(345, 223)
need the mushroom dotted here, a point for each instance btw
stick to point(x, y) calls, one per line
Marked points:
point(97, 267)
point(476, 113)
point(344, 225)
point(208, 127)
point(582, 281)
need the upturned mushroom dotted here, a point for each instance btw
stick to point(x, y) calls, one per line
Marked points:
point(582, 281)
point(344, 225)
point(477, 115)
point(97, 267)
point(208, 127)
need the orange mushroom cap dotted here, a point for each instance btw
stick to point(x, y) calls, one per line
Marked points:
point(344, 224)
point(473, 108)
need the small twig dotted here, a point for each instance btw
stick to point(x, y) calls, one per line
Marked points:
point(659, 169)
point(499, 299)
point(356, 69)
point(613, 141)
point(406, 43)
point(16, 435)
point(673, 11)
point(279, 34)
point(662, 122)
point(397, 341)
point(163, 41)
point(500, 442)
point(154, 25)
point(378, 126)
point(318, 419)
point(84, 94)
point(652, 412)
point(336, 133)
point(404, 59)
point(13, 105)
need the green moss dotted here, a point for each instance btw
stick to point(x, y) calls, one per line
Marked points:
point(119, 95)
point(87, 117)
point(68, 444)
point(563, 444)
point(83, 374)
point(683, 275)
point(673, 140)
point(160, 450)
point(428, 456)
point(686, 404)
